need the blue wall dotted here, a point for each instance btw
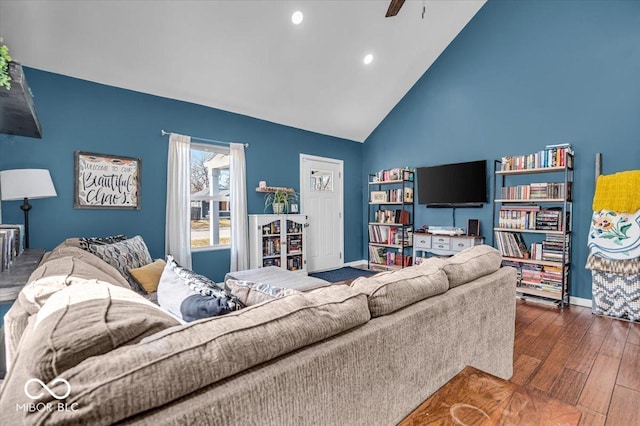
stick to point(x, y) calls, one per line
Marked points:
point(521, 75)
point(80, 115)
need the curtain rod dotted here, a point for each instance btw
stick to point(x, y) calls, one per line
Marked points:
point(164, 133)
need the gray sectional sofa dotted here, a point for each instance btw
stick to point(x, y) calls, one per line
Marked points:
point(363, 354)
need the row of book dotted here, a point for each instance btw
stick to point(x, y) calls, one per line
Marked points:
point(551, 156)
point(531, 218)
point(384, 234)
point(11, 244)
point(539, 277)
point(382, 256)
point(511, 244)
point(271, 246)
point(294, 263)
point(536, 191)
point(294, 244)
point(398, 173)
point(392, 216)
point(392, 196)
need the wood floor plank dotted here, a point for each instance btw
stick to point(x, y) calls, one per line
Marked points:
point(568, 386)
point(568, 316)
point(523, 369)
point(541, 323)
point(634, 334)
point(597, 391)
point(591, 418)
point(624, 407)
point(551, 368)
point(600, 326)
point(585, 354)
point(576, 331)
point(541, 346)
point(613, 344)
point(629, 373)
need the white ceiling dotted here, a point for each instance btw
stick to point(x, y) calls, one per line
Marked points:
point(244, 56)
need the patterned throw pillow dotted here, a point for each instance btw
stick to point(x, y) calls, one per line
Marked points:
point(176, 295)
point(125, 255)
point(196, 282)
point(85, 242)
point(251, 293)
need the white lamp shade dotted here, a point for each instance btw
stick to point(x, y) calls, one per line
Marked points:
point(26, 183)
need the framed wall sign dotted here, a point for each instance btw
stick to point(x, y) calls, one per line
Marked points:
point(378, 197)
point(106, 181)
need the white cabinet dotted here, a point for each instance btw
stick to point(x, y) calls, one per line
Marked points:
point(442, 245)
point(278, 240)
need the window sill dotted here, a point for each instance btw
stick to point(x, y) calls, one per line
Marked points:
point(209, 248)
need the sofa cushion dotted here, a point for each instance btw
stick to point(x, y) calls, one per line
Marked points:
point(180, 360)
point(110, 316)
point(125, 255)
point(148, 276)
point(471, 264)
point(177, 297)
point(89, 258)
point(389, 291)
point(57, 274)
point(250, 293)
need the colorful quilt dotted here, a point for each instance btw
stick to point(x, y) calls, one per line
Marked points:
point(614, 235)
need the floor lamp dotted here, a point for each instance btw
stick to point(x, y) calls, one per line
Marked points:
point(25, 184)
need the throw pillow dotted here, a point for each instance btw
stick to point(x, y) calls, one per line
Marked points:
point(110, 317)
point(85, 242)
point(125, 255)
point(177, 297)
point(148, 276)
point(251, 293)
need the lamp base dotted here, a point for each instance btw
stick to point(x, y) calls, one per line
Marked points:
point(25, 208)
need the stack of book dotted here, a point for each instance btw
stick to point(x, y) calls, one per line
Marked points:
point(551, 156)
point(11, 244)
point(553, 246)
point(384, 234)
point(549, 219)
point(399, 196)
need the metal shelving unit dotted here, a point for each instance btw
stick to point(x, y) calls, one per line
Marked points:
point(404, 228)
point(525, 288)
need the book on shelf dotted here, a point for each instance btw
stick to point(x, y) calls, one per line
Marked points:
point(531, 218)
point(395, 174)
point(392, 216)
point(539, 277)
point(559, 155)
point(392, 235)
point(536, 191)
point(511, 244)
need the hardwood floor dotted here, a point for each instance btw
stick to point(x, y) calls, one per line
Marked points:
point(588, 361)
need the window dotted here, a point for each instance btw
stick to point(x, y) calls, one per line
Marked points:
point(210, 207)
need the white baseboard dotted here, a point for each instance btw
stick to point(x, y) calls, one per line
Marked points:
point(356, 263)
point(580, 301)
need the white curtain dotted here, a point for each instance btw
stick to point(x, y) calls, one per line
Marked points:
point(239, 218)
point(178, 227)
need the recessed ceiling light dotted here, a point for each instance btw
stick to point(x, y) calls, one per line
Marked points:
point(297, 17)
point(368, 59)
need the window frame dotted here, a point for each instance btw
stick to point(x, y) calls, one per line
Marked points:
point(203, 147)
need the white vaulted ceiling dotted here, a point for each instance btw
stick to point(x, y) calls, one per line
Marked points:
point(244, 56)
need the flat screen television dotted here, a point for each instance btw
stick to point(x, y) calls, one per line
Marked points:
point(453, 185)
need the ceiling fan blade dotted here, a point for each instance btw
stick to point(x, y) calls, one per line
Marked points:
point(394, 8)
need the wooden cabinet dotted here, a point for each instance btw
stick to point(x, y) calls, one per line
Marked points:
point(278, 240)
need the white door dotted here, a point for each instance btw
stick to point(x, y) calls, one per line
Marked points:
point(321, 198)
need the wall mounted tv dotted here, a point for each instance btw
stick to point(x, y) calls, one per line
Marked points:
point(453, 185)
